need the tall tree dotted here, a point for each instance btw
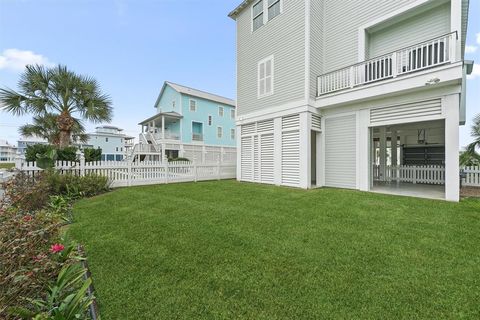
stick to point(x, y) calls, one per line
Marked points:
point(60, 93)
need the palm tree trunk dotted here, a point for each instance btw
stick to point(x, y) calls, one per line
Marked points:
point(65, 124)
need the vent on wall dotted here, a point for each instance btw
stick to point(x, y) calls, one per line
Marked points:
point(316, 122)
point(410, 112)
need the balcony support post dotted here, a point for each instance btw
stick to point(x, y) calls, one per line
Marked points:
point(163, 127)
point(352, 76)
point(394, 65)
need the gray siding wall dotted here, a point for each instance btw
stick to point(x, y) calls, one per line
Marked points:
point(316, 42)
point(341, 20)
point(284, 38)
point(414, 30)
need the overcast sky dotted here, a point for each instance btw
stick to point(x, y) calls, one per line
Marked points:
point(131, 47)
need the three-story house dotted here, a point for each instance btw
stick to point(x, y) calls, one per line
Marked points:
point(366, 95)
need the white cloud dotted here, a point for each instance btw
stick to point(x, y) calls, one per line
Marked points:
point(16, 60)
point(470, 49)
point(475, 72)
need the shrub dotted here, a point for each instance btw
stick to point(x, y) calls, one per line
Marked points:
point(27, 193)
point(92, 154)
point(32, 151)
point(27, 265)
point(75, 186)
point(67, 154)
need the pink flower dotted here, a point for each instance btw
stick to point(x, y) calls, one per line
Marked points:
point(57, 247)
point(27, 218)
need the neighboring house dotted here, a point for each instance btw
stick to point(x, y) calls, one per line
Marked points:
point(189, 123)
point(8, 152)
point(366, 95)
point(23, 143)
point(114, 143)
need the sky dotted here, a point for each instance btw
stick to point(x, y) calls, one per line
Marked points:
point(132, 46)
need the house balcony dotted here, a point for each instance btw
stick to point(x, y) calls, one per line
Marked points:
point(432, 54)
point(168, 135)
point(197, 137)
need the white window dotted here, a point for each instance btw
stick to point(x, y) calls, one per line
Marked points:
point(193, 105)
point(232, 134)
point(220, 111)
point(173, 104)
point(219, 132)
point(265, 77)
point(274, 9)
point(232, 113)
point(209, 120)
point(257, 15)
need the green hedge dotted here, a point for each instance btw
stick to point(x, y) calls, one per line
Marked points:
point(65, 154)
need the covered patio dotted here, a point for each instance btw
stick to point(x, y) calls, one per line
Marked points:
point(409, 159)
point(163, 126)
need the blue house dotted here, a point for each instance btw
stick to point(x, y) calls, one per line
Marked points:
point(189, 123)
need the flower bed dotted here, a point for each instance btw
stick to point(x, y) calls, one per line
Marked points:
point(41, 273)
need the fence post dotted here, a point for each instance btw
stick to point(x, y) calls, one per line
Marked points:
point(19, 160)
point(218, 168)
point(129, 172)
point(194, 171)
point(414, 168)
point(166, 167)
point(81, 158)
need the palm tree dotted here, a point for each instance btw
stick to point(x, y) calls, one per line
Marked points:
point(45, 127)
point(60, 93)
point(471, 148)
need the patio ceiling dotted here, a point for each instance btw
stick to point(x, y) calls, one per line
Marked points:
point(158, 116)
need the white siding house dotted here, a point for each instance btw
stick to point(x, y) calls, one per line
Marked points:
point(366, 95)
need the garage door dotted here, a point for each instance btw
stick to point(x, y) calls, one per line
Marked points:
point(340, 152)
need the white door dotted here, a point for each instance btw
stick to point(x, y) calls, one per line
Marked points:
point(340, 151)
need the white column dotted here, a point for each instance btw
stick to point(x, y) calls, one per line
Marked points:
point(163, 127)
point(383, 152)
point(363, 143)
point(451, 105)
point(238, 134)
point(402, 142)
point(321, 166)
point(394, 146)
point(277, 150)
point(305, 150)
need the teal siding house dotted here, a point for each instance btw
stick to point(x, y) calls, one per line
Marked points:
point(188, 123)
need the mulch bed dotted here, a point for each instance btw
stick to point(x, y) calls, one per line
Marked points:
point(470, 192)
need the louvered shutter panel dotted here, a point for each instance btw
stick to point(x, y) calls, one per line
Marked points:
point(291, 150)
point(409, 112)
point(340, 152)
point(247, 158)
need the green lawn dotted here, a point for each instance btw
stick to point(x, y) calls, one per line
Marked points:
point(230, 250)
point(7, 165)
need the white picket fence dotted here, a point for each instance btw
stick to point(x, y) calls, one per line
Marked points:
point(472, 176)
point(427, 174)
point(126, 173)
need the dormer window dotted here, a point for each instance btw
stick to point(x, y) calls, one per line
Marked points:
point(257, 15)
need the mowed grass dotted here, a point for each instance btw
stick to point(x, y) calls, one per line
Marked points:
point(7, 165)
point(230, 250)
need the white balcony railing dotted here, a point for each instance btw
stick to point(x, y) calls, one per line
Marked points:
point(168, 136)
point(197, 137)
point(415, 58)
